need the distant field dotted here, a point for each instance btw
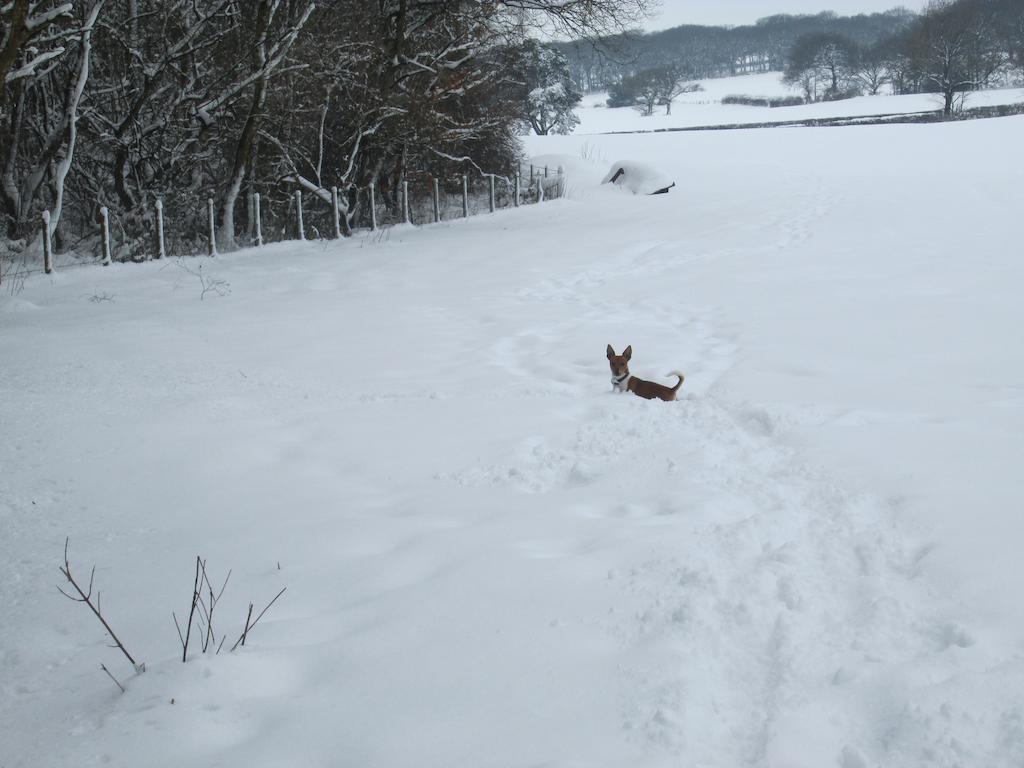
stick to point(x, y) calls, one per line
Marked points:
point(705, 108)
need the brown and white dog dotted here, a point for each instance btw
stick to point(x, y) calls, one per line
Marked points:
point(623, 382)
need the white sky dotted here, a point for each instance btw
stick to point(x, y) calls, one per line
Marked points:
point(736, 12)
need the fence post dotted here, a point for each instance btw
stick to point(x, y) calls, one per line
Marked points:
point(256, 216)
point(47, 246)
point(298, 207)
point(373, 209)
point(465, 197)
point(490, 198)
point(531, 174)
point(540, 189)
point(405, 202)
point(105, 216)
point(545, 171)
point(515, 197)
point(561, 182)
point(337, 216)
point(213, 233)
point(160, 250)
point(437, 202)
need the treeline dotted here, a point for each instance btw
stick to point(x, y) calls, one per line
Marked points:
point(120, 103)
point(952, 48)
point(706, 52)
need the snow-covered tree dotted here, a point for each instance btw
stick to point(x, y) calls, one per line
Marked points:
point(45, 60)
point(551, 108)
point(121, 103)
point(541, 84)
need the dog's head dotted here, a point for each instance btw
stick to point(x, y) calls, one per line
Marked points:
point(619, 363)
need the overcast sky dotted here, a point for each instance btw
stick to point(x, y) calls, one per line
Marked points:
point(736, 12)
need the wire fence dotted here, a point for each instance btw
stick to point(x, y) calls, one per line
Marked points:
point(310, 214)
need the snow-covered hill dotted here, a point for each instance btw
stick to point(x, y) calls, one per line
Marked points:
point(705, 108)
point(811, 559)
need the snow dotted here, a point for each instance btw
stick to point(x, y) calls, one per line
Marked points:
point(638, 178)
point(705, 108)
point(811, 559)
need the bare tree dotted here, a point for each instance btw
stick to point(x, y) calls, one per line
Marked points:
point(268, 48)
point(822, 64)
point(869, 69)
point(954, 49)
point(673, 81)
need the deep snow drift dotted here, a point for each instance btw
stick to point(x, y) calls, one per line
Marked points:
point(810, 560)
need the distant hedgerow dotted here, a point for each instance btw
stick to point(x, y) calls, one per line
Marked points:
point(764, 101)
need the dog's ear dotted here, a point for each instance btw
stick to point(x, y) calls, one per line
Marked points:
point(611, 352)
point(628, 352)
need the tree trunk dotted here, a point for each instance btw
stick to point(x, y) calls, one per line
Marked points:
point(243, 152)
point(72, 115)
point(247, 139)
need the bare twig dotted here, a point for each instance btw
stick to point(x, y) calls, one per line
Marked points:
point(181, 638)
point(104, 668)
point(209, 605)
point(86, 597)
point(191, 614)
point(249, 627)
point(209, 284)
point(245, 631)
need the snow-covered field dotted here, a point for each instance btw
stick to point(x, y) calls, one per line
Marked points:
point(705, 108)
point(812, 559)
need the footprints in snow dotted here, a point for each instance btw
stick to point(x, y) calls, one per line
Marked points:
point(775, 594)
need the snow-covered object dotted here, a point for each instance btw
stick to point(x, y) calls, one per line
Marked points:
point(638, 178)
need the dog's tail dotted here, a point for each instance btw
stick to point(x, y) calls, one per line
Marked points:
point(681, 379)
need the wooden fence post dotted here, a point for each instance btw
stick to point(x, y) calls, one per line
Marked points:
point(515, 197)
point(213, 232)
point(405, 202)
point(161, 251)
point(561, 182)
point(437, 202)
point(105, 216)
point(531, 174)
point(465, 197)
point(47, 245)
point(490, 198)
point(545, 171)
point(298, 207)
point(256, 216)
point(373, 209)
point(337, 215)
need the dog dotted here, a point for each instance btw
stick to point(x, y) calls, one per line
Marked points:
point(649, 390)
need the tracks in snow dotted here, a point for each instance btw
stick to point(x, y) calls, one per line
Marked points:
point(757, 604)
